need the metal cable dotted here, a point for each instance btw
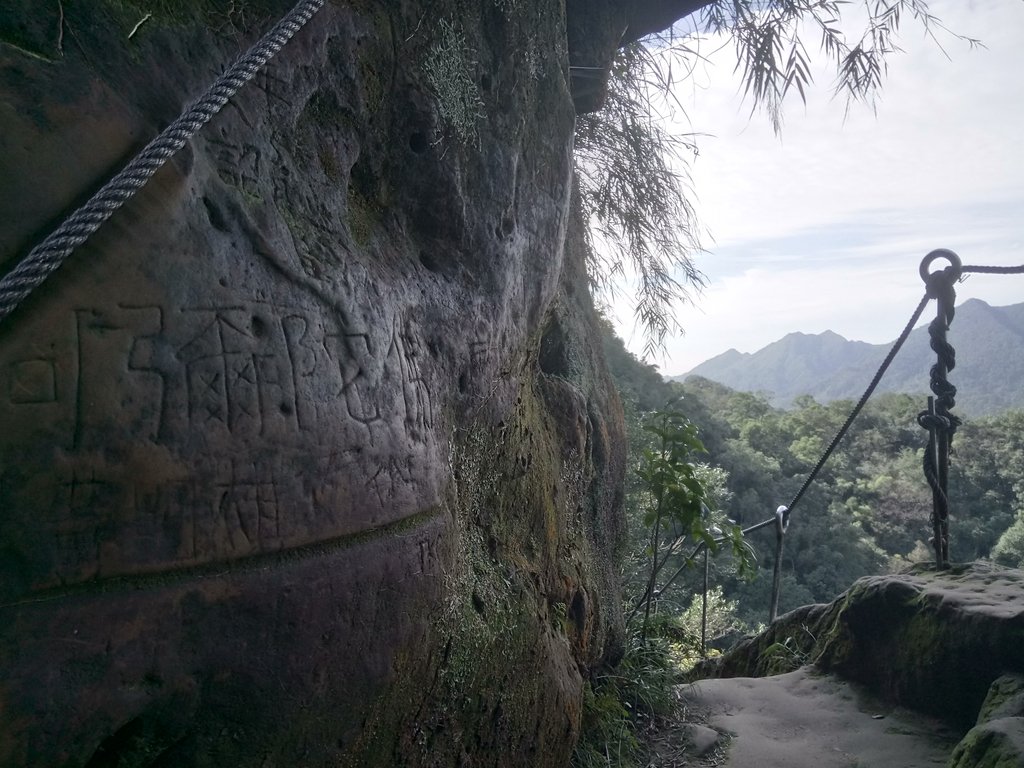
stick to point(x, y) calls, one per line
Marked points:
point(782, 522)
point(863, 400)
point(885, 364)
point(995, 270)
point(46, 257)
point(942, 425)
point(702, 547)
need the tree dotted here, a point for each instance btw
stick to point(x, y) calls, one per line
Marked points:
point(867, 511)
point(677, 512)
point(633, 171)
point(1009, 550)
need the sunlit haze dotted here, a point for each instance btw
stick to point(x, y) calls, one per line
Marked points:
point(825, 226)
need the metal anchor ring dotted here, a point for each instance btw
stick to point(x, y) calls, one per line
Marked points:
point(941, 253)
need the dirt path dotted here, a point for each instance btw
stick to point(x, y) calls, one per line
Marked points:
point(801, 720)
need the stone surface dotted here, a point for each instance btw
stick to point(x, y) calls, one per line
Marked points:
point(701, 738)
point(785, 645)
point(1005, 698)
point(948, 644)
point(307, 456)
point(993, 744)
point(997, 741)
point(806, 719)
point(934, 641)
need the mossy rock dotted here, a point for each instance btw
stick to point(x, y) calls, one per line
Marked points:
point(995, 744)
point(1005, 699)
point(932, 641)
point(787, 644)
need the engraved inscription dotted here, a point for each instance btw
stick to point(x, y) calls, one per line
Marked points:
point(247, 370)
point(120, 367)
point(149, 355)
point(352, 356)
point(273, 86)
point(240, 165)
point(245, 511)
point(405, 355)
point(205, 433)
point(302, 359)
point(220, 370)
point(86, 494)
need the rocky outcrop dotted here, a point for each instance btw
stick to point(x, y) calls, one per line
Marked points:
point(998, 738)
point(307, 457)
point(940, 642)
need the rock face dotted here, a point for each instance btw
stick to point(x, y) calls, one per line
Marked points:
point(947, 643)
point(306, 457)
point(998, 738)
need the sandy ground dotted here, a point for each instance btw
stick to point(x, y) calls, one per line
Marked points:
point(806, 720)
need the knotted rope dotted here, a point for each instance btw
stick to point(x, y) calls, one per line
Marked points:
point(937, 419)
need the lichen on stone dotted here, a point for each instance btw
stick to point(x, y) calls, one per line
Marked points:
point(994, 744)
point(450, 69)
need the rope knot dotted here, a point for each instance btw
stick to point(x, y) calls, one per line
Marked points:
point(939, 284)
point(933, 421)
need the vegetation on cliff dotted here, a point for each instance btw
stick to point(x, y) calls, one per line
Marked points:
point(868, 511)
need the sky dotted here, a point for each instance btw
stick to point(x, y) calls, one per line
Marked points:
point(824, 227)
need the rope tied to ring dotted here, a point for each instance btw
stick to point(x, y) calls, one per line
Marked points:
point(937, 419)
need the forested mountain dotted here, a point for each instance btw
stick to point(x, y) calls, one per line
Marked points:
point(867, 511)
point(989, 343)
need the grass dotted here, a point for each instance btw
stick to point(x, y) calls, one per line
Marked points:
point(620, 703)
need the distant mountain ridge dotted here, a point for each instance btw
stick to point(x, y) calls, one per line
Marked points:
point(989, 373)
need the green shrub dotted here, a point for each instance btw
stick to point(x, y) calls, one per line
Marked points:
point(620, 702)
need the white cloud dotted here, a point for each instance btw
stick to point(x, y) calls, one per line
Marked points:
point(824, 229)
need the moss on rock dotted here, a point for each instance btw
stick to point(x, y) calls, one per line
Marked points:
point(994, 744)
point(932, 641)
point(1005, 699)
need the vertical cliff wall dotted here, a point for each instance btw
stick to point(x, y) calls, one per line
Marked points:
point(307, 457)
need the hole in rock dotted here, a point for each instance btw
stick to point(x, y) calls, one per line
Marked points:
point(578, 610)
point(418, 142)
point(553, 356)
point(213, 213)
point(478, 604)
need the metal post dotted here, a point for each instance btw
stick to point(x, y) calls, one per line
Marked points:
point(940, 528)
point(938, 420)
point(781, 524)
point(704, 610)
point(942, 436)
